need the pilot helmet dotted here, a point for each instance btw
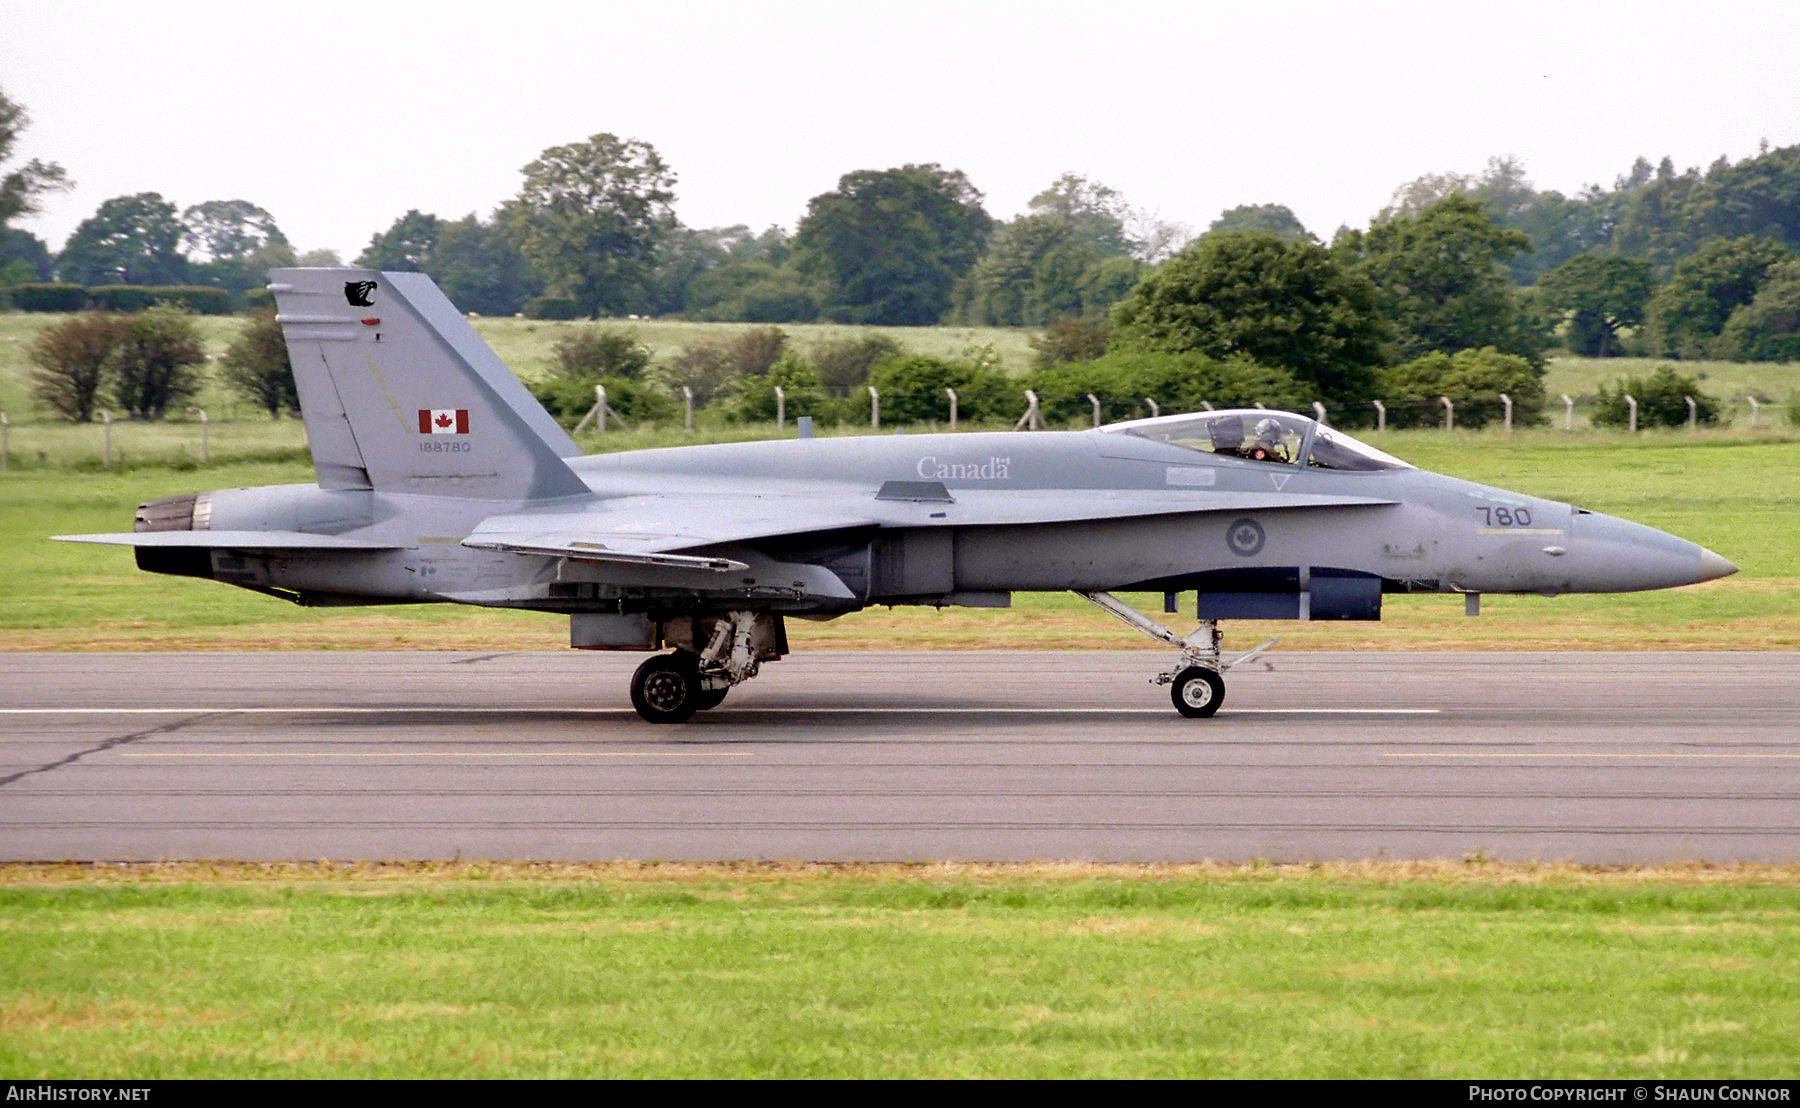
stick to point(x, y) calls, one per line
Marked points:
point(1268, 433)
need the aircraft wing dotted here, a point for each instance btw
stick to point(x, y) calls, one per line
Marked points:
point(643, 530)
point(651, 529)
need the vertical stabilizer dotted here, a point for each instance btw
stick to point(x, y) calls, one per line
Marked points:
point(401, 395)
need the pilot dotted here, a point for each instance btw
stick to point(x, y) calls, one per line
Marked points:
point(1266, 444)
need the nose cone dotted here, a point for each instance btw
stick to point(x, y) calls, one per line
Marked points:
point(1616, 555)
point(1713, 567)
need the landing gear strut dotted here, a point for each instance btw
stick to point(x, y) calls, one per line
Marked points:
point(670, 688)
point(1196, 683)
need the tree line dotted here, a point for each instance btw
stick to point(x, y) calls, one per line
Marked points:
point(1678, 265)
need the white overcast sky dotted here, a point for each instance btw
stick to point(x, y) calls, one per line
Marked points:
point(339, 116)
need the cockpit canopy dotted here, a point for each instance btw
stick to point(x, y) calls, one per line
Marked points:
point(1260, 435)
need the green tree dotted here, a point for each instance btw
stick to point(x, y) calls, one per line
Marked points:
point(256, 364)
point(1473, 381)
point(1661, 401)
point(156, 365)
point(1277, 219)
point(407, 245)
point(1768, 328)
point(1248, 294)
point(845, 364)
point(1070, 340)
point(593, 352)
point(752, 399)
point(590, 217)
point(1030, 273)
point(753, 291)
point(20, 188)
point(709, 366)
point(233, 243)
point(479, 268)
point(131, 240)
point(1095, 215)
point(888, 246)
point(1672, 216)
point(24, 254)
point(1070, 255)
point(1440, 278)
point(1557, 227)
point(912, 390)
point(72, 360)
point(1598, 296)
point(1688, 313)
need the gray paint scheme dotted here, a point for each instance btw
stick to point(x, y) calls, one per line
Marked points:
point(441, 479)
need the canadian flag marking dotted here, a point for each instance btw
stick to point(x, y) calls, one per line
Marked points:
point(443, 421)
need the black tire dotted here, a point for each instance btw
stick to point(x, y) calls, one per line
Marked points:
point(708, 699)
point(666, 689)
point(1197, 692)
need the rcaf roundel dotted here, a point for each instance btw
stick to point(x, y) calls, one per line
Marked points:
point(443, 421)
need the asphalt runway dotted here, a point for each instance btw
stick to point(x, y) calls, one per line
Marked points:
point(950, 755)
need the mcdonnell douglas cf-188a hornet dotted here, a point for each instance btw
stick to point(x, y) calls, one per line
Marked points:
point(440, 478)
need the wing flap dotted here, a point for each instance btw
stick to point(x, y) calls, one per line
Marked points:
point(581, 551)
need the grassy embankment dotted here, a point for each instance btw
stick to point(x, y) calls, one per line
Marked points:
point(1396, 970)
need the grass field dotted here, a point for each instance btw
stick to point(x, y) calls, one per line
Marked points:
point(500, 971)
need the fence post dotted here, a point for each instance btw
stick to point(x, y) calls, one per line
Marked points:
point(874, 409)
point(1206, 405)
point(1693, 415)
point(106, 422)
point(601, 407)
point(592, 412)
point(1449, 413)
point(951, 393)
point(687, 408)
point(1568, 413)
point(1754, 409)
point(1507, 400)
point(1319, 410)
point(1154, 410)
point(1031, 420)
point(780, 408)
point(1095, 401)
point(5, 442)
point(1380, 416)
point(1631, 403)
point(201, 412)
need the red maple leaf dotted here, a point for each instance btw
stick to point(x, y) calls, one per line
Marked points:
point(443, 420)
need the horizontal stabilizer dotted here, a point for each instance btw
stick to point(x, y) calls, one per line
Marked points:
point(230, 540)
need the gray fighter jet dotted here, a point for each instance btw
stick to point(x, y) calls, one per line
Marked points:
point(440, 479)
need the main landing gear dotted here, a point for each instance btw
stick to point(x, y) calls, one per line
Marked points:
point(1196, 683)
point(671, 688)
